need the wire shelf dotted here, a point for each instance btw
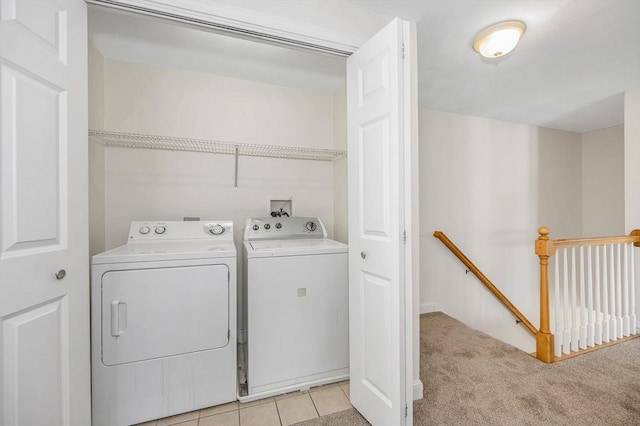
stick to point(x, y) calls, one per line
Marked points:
point(134, 140)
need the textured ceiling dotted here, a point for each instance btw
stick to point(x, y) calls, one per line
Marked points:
point(569, 72)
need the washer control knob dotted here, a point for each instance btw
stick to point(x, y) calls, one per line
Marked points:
point(216, 229)
point(160, 230)
point(311, 226)
point(278, 225)
point(255, 227)
point(267, 226)
point(144, 230)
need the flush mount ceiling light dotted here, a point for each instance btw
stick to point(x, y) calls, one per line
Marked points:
point(499, 39)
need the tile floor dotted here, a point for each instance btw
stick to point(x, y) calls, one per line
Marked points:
point(281, 410)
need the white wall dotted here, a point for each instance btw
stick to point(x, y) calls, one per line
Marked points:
point(631, 156)
point(559, 181)
point(489, 185)
point(603, 182)
point(96, 153)
point(340, 217)
point(154, 185)
point(631, 169)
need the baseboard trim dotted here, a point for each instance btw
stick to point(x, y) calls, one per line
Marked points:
point(418, 390)
point(428, 307)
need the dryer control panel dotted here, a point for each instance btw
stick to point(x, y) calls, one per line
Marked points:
point(181, 230)
point(284, 228)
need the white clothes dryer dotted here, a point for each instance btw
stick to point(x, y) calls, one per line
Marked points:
point(163, 322)
point(297, 306)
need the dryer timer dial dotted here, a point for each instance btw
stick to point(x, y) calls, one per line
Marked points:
point(311, 226)
point(216, 229)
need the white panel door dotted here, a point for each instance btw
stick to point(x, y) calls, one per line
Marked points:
point(44, 279)
point(378, 312)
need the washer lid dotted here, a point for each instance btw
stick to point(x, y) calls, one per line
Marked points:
point(146, 251)
point(272, 248)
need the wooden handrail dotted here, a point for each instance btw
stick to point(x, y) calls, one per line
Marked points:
point(484, 280)
point(633, 237)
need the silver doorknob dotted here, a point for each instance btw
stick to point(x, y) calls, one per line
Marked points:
point(61, 274)
point(363, 254)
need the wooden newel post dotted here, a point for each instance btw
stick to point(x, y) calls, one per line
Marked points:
point(544, 338)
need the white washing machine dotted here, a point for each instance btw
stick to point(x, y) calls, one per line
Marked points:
point(163, 322)
point(297, 306)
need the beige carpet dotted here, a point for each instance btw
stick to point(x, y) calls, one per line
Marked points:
point(473, 379)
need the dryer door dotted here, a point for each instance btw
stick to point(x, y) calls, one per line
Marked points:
point(155, 313)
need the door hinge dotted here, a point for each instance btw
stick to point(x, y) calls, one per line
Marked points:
point(402, 50)
point(404, 237)
point(406, 410)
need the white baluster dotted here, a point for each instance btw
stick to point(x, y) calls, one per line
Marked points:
point(605, 297)
point(582, 342)
point(613, 328)
point(574, 303)
point(557, 340)
point(598, 337)
point(632, 319)
point(566, 335)
point(591, 325)
point(618, 291)
point(625, 293)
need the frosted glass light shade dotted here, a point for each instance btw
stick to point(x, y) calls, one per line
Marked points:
point(498, 39)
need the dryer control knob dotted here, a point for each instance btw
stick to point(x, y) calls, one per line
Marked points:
point(255, 227)
point(267, 226)
point(311, 226)
point(278, 225)
point(160, 230)
point(144, 230)
point(216, 229)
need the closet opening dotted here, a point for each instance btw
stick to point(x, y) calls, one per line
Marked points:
point(190, 123)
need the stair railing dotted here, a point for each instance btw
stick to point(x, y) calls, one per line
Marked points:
point(487, 283)
point(594, 293)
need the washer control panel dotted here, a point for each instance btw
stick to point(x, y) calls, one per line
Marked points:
point(181, 230)
point(284, 228)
